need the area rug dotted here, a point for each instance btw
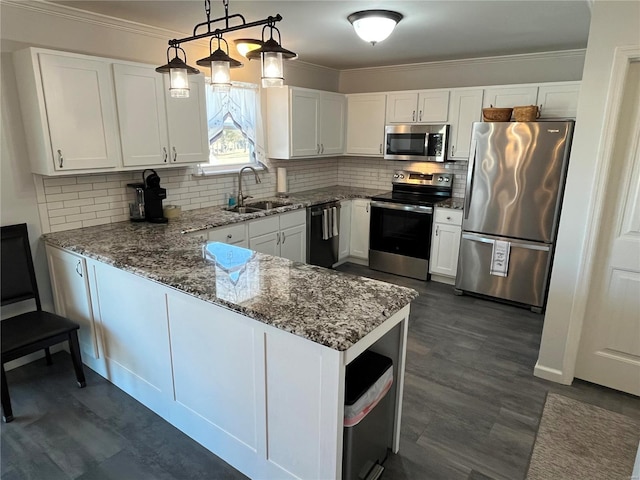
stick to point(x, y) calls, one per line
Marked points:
point(580, 441)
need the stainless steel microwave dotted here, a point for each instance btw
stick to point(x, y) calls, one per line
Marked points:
point(417, 143)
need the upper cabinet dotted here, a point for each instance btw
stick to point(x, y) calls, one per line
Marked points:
point(365, 124)
point(555, 100)
point(69, 113)
point(87, 114)
point(466, 108)
point(156, 128)
point(305, 123)
point(428, 106)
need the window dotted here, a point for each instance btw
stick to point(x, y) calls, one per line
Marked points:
point(232, 118)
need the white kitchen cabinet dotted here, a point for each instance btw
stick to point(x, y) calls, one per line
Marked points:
point(510, 96)
point(231, 234)
point(155, 128)
point(558, 100)
point(428, 106)
point(445, 244)
point(465, 108)
point(365, 124)
point(360, 218)
point(70, 285)
point(305, 123)
point(344, 238)
point(68, 110)
point(283, 235)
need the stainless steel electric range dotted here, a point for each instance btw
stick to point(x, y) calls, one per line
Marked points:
point(401, 223)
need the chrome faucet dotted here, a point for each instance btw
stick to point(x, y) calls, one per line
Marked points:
point(241, 196)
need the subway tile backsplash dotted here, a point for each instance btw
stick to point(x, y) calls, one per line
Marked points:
point(72, 202)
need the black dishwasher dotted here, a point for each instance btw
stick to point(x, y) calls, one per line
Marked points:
point(323, 225)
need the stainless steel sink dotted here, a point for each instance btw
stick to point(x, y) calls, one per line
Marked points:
point(238, 209)
point(267, 204)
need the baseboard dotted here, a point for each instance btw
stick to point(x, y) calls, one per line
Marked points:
point(551, 374)
point(443, 279)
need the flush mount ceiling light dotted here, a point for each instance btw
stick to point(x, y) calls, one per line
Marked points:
point(178, 71)
point(246, 45)
point(374, 25)
point(219, 61)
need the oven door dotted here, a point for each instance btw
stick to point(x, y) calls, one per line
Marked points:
point(400, 238)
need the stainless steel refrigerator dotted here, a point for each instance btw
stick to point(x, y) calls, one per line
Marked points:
point(515, 182)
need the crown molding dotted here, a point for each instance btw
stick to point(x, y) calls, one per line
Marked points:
point(98, 19)
point(578, 52)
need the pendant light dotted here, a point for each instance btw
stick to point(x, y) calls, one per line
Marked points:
point(374, 25)
point(272, 55)
point(178, 71)
point(220, 63)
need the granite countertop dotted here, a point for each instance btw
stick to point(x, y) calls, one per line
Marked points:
point(205, 218)
point(327, 307)
point(453, 203)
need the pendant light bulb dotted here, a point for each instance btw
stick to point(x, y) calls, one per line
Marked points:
point(178, 83)
point(272, 69)
point(220, 73)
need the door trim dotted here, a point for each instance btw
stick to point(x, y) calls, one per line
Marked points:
point(623, 57)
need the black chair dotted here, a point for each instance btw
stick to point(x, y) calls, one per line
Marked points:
point(34, 330)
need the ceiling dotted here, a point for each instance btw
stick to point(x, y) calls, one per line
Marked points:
point(319, 32)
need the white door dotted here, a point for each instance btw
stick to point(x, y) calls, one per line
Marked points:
point(142, 115)
point(345, 229)
point(609, 352)
point(332, 126)
point(558, 101)
point(365, 124)
point(465, 108)
point(433, 106)
point(360, 218)
point(80, 112)
point(71, 295)
point(305, 140)
point(268, 243)
point(187, 121)
point(402, 107)
point(293, 244)
point(444, 249)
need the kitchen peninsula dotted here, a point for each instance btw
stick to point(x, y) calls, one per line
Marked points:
point(244, 352)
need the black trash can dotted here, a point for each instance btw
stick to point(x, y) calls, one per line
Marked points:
point(368, 416)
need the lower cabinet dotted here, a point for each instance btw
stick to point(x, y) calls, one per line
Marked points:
point(71, 297)
point(445, 244)
point(282, 235)
point(360, 218)
point(344, 238)
point(231, 234)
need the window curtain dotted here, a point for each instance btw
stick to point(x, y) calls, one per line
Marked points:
point(242, 104)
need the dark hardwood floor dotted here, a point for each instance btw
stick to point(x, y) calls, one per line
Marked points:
point(471, 406)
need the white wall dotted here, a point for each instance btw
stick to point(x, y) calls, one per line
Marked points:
point(529, 68)
point(613, 23)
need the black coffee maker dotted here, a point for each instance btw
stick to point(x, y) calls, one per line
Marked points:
point(153, 196)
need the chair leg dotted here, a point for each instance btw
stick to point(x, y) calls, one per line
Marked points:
point(7, 413)
point(47, 354)
point(74, 346)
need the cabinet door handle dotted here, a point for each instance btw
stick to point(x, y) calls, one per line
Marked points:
point(318, 145)
point(175, 154)
point(60, 158)
point(413, 116)
point(420, 116)
point(322, 148)
point(380, 148)
point(284, 238)
point(448, 218)
point(453, 150)
point(79, 272)
point(367, 208)
point(437, 229)
point(278, 238)
point(164, 154)
point(229, 236)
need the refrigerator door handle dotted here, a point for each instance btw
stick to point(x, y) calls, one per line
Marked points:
point(467, 194)
point(529, 246)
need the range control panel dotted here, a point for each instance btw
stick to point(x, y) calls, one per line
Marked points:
point(417, 178)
